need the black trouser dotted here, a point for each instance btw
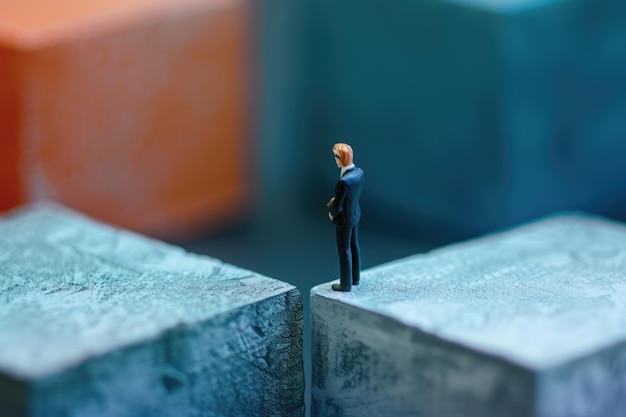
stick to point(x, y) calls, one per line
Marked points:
point(349, 255)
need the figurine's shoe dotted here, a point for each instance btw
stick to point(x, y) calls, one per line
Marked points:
point(338, 287)
point(355, 282)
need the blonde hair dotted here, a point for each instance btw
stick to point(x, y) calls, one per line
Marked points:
point(345, 153)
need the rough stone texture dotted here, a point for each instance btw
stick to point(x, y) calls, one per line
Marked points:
point(97, 321)
point(529, 322)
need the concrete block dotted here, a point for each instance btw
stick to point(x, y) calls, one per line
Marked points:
point(467, 115)
point(530, 322)
point(97, 321)
point(133, 111)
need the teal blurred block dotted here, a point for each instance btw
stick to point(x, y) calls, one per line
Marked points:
point(530, 322)
point(467, 116)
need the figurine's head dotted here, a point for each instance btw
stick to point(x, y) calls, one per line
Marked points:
point(343, 154)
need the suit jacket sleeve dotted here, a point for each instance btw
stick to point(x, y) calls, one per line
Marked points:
point(340, 195)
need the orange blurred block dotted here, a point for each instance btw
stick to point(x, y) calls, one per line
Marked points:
point(134, 111)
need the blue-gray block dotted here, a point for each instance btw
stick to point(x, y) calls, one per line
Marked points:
point(97, 321)
point(467, 115)
point(530, 322)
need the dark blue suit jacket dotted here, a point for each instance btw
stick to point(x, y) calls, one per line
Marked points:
point(345, 209)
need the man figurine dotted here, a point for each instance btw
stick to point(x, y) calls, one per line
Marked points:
point(345, 213)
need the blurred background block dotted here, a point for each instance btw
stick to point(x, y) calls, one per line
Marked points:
point(526, 323)
point(467, 116)
point(136, 112)
point(96, 321)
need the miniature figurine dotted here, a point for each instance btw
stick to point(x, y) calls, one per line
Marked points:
point(345, 213)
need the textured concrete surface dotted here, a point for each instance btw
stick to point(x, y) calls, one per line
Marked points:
point(529, 322)
point(96, 321)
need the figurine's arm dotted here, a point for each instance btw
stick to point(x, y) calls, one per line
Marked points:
point(336, 209)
